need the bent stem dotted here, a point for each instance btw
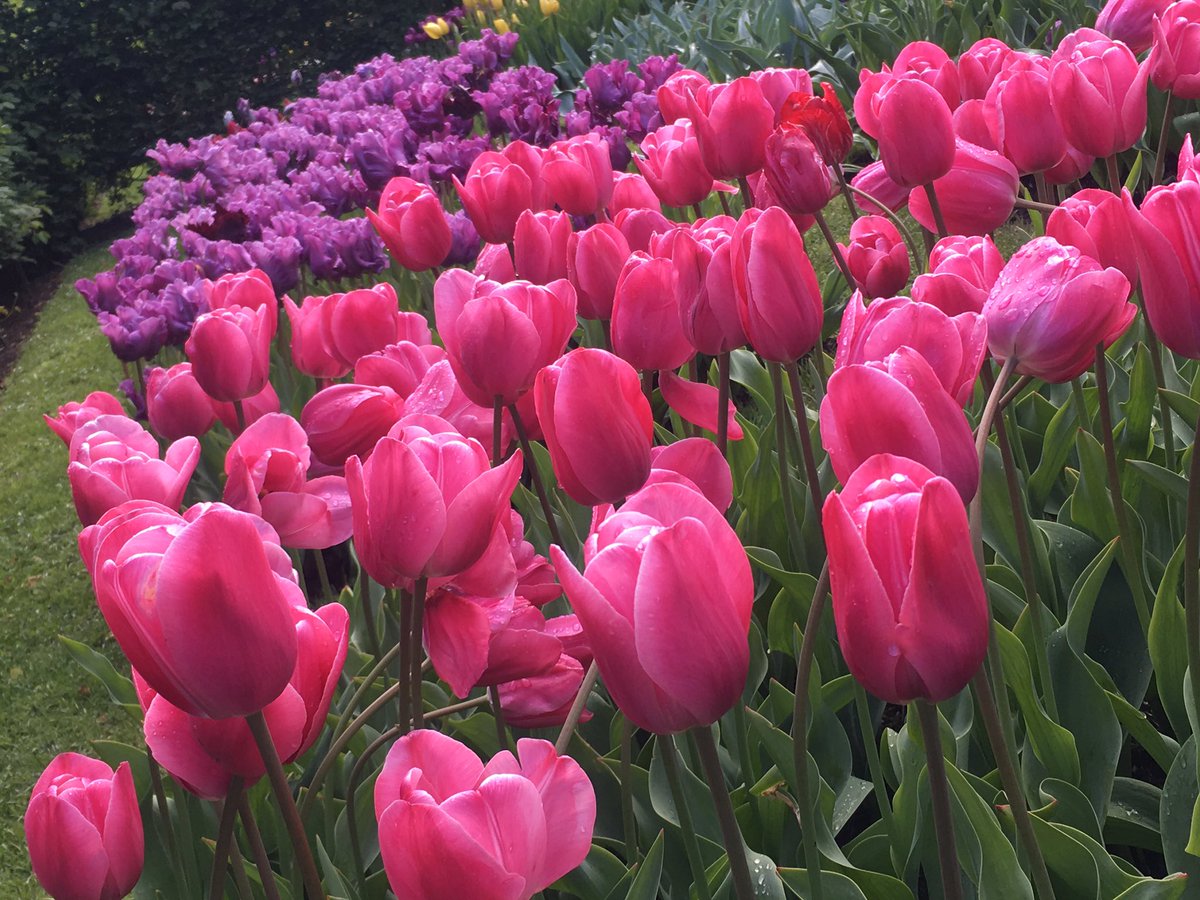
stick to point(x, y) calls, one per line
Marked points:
point(936, 208)
point(535, 476)
point(990, 409)
point(577, 707)
point(844, 187)
point(287, 804)
point(731, 834)
point(939, 790)
point(805, 796)
point(919, 265)
point(216, 887)
point(670, 758)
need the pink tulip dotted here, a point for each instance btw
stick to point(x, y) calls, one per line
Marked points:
point(400, 366)
point(906, 108)
point(1071, 167)
point(675, 92)
point(704, 292)
point(544, 700)
point(931, 64)
point(673, 165)
point(696, 402)
point(200, 605)
point(251, 289)
point(696, 463)
point(632, 192)
point(579, 174)
point(499, 336)
point(1020, 118)
point(425, 503)
point(1187, 168)
point(253, 409)
point(875, 181)
point(1174, 61)
point(897, 405)
point(495, 263)
point(877, 256)
point(530, 158)
point(1099, 93)
point(114, 459)
point(1130, 21)
point(311, 353)
point(440, 394)
point(205, 754)
point(1097, 222)
point(646, 331)
point(665, 601)
point(495, 193)
point(412, 224)
point(230, 351)
point(595, 465)
point(366, 320)
point(970, 124)
point(540, 245)
point(779, 84)
point(979, 65)
point(778, 297)
point(176, 405)
point(797, 173)
point(345, 420)
point(732, 123)
point(961, 273)
point(764, 198)
point(908, 603)
point(641, 226)
point(71, 415)
point(1169, 264)
point(595, 258)
point(1052, 306)
point(84, 831)
point(977, 195)
point(954, 347)
point(451, 827)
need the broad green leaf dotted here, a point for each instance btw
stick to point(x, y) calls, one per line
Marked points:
point(998, 874)
point(1133, 815)
point(1084, 594)
point(1138, 438)
point(1090, 503)
point(1056, 448)
point(1170, 888)
point(1168, 645)
point(1171, 484)
point(648, 873)
point(834, 886)
point(1175, 814)
point(333, 880)
point(119, 687)
point(800, 583)
point(1187, 408)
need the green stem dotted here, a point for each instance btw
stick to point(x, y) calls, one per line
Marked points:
point(416, 653)
point(1160, 381)
point(744, 191)
point(216, 885)
point(493, 694)
point(261, 860)
point(497, 428)
point(628, 820)
point(805, 796)
point(785, 486)
point(404, 663)
point(1191, 570)
point(990, 408)
point(936, 207)
point(939, 790)
point(731, 834)
point(844, 187)
point(241, 415)
point(723, 403)
point(806, 445)
point(352, 789)
point(871, 745)
point(240, 880)
point(919, 265)
point(1043, 190)
point(749, 770)
point(1164, 134)
point(838, 258)
point(577, 708)
point(671, 763)
point(323, 575)
point(535, 476)
point(1114, 177)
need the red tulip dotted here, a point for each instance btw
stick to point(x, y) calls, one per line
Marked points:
point(673, 165)
point(877, 256)
point(1174, 61)
point(495, 193)
point(412, 224)
point(1169, 263)
point(595, 465)
point(823, 120)
point(84, 831)
point(646, 331)
point(732, 123)
point(1099, 93)
point(230, 351)
point(200, 605)
point(579, 174)
point(908, 602)
point(176, 405)
point(961, 273)
point(779, 85)
point(665, 601)
point(595, 258)
point(71, 415)
point(451, 827)
point(540, 246)
point(977, 195)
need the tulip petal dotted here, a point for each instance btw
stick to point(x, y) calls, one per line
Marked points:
point(569, 802)
point(65, 849)
point(696, 402)
point(447, 767)
point(457, 635)
point(472, 516)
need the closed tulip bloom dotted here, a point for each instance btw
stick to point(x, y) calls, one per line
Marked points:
point(674, 93)
point(595, 258)
point(198, 605)
point(84, 831)
point(400, 366)
point(732, 123)
point(796, 171)
point(979, 65)
point(632, 191)
point(704, 292)
point(874, 180)
point(877, 256)
point(1072, 167)
point(916, 132)
point(425, 503)
point(954, 346)
point(1130, 21)
point(230, 352)
point(345, 420)
point(823, 120)
point(641, 226)
point(778, 297)
point(451, 827)
point(72, 415)
point(1099, 93)
point(673, 165)
point(962, 270)
point(1020, 118)
point(695, 463)
point(1174, 61)
point(114, 459)
point(931, 64)
point(530, 158)
point(898, 405)
point(440, 394)
point(970, 124)
point(908, 602)
point(977, 195)
point(499, 336)
point(495, 193)
point(1052, 306)
point(579, 174)
point(1170, 264)
point(545, 700)
point(495, 263)
point(1097, 222)
point(412, 224)
point(595, 465)
point(252, 289)
point(540, 245)
point(311, 353)
point(368, 319)
point(665, 601)
point(176, 405)
point(646, 331)
point(778, 85)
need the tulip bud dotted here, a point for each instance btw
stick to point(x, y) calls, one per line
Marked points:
point(916, 132)
point(595, 258)
point(632, 192)
point(252, 289)
point(1130, 21)
point(412, 224)
point(875, 181)
point(1169, 264)
point(71, 416)
point(345, 420)
point(1097, 222)
point(1174, 61)
point(877, 256)
point(977, 195)
point(961, 273)
point(495, 193)
point(673, 165)
point(674, 93)
point(779, 85)
point(230, 352)
point(1020, 118)
point(979, 65)
point(798, 175)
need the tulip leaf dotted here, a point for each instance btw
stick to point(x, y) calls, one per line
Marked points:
point(1176, 812)
point(114, 753)
point(334, 880)
point(1138, 436)
point(995, 871)
point(1068, 806)
point(787, 609)
point(1187, 408)
point(1169, 888)
point(595, 877)
point(801, 583)
point(1056, 448)
point(119, 687)
point(695, 792)
point(1133, 815)
point(1168, 645)
point(834, 885)
point(747, 370)
point(1083, 596)
point(1090, 503)
point(999, 530)
point(646, 875)
point(1171, 484)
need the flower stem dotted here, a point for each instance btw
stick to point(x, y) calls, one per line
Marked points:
point(805, 796)
point(838, 258)
point(919, 265)
point(1114, 177)
point(241, 415)
point(936, 208)
point(1164, 134)
point(261, 861)
point(404, 664)
point(844, 187)
point(731, 834)
point(628, 820)
point(351, 789)
point(990, 409)
point(785, 486)
point(323, 575)
point(164, 813)
point(497, 428)
point(535, 476)
point(581, 697)
point(493, 694)
point(1191, 568)
point(216, 886)
point(806, 446)
point(723, 403)
point(670, 758)
point(871, 745)
point(939, 790)
point(416, 653)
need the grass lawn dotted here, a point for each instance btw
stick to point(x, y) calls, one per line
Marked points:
point(48, 704)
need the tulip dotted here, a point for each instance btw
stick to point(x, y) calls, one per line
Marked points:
point(704, 287)
point(929, 63)
point(1099, 93)
point(778, 85)
point(412, 224)
point(579, 174)
point(345, 420)
point(530, 158)
point(366, 320)
point(497, 336)
point(977, 195)
point(696, 463)
point(1174, 61)
point(495, 263)
point(310, 342)
point(545, 700)
point(1097, 222)
point(732, 123)
point(908, 602)
point(595, 258)
point(665, 601)
point(673, 165)
point(907, 108)
point(84, 831)
point(176, 405)
point(697, 403)
point(1071, 167)
point(961, 273)
point(646, 331)
point(440, 394)
point(114, 459)
point(1051, 306)
point(198, 604)
point(778, 297)
point(953, 347)
point(824, 121)
point(1130, 21)
point(632, 192)
point(674, 93)
point(1170, 264)
point(72, 415)
point(979, 65)
point(796, 171)
point(877, 256)
point(641, 226)
point(970, 124)
point(451, 827)
point(495, 193)
point(1020, 118)
point(253, 408)
point(230, 352)
point(897, 405)
point(425, 503)
point(595, 464)
point(875, 181)
point(400, 366)
point(252, 289)
point(540, 246)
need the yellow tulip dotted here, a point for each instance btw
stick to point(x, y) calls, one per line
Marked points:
point(549, 7)
point(501, 26)
point(436, 30)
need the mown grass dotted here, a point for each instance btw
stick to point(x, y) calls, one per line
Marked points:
point(48, 704)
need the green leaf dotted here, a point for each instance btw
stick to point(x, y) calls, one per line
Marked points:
point(1168, 645)
point(1175, 814)
point(1084, 594)
point(1138, 436)
point(800, 583)
point(998, 873)
point(1170, 888)
point(1090, 503)
point(649, 873)
point(119, 688)
point(1187, 408)
point(1171, 484)
point(834, 886)
point(332, 879)
point(595, 877)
